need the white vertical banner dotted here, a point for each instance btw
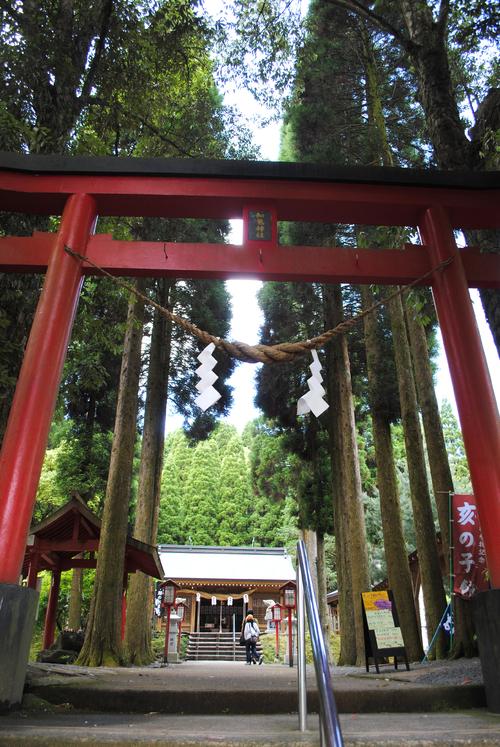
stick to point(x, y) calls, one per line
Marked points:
point(198, 596)
point(214, 600)
point(245, 598)
point(230, 601)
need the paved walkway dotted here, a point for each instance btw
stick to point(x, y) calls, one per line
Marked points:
point(228, 704)
point(227, 687)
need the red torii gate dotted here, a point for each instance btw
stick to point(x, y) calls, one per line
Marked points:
point(80, 189)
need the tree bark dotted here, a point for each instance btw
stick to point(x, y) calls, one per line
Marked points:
point(486, 148)
point(75, 600)
point(346, 611)
point(102, 645)
point(396, 555)
point(430, 572)
point(464, 637)
point(351, 502)
point(139, 597)
point(442, 481)
point(311, 543)
point(324, 614)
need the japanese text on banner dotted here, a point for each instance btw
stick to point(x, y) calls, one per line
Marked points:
point(469, 556)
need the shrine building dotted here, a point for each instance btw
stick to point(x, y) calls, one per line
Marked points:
point(219, 584)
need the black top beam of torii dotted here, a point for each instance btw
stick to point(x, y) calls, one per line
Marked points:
point(42, 184)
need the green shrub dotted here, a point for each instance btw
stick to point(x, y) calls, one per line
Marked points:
point(268, 641)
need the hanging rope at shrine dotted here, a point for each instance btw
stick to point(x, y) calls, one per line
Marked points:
point(280, 353)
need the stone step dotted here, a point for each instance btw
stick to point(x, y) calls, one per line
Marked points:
point(220, 687)
point(208, 647)
point(214, 651)
point(471, 728)
point(221, 657)
point(216, 647)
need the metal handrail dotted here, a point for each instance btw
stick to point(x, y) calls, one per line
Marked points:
point(331, 735)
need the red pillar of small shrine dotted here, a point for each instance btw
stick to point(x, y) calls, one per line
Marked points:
point(474, 394)
point(28, 427)
point(50, 616)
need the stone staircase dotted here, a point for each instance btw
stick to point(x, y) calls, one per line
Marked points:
point(216, 647)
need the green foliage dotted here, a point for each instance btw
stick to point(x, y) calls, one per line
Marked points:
point(177, 464)
point(456, 451)
point(61, 62)
point(234, 505)
point(49, 496)
point(202, 492)
point(82, 467)
point(207, 304)
point(268, 642)
point(219, 491)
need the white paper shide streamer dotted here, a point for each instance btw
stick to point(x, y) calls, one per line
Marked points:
point(207, 396)
point(313, 401)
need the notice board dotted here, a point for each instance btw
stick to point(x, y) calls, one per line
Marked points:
point(381, 625)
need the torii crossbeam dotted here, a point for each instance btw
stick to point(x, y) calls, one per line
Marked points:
point(80, 189)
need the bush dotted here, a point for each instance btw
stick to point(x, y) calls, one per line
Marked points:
point(268, 641)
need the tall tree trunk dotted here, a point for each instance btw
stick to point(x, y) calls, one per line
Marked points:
point(139, 597)
point(346, 611)
point(311, 543)
point(75, 600)
point(486, 146)
point(430, 571)
point(395, 550)
point(351, 502)
point(324, 614)
point(429, 55)
point(102, 645)
point(442, 481)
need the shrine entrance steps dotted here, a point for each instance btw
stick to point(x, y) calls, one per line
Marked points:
point(216, 647)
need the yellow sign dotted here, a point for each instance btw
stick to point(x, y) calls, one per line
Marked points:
point(370, 598)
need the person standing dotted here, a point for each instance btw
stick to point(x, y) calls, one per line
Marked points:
point(251, 633)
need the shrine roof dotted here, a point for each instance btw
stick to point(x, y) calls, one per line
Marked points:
point(226, 563)
point(61, 539)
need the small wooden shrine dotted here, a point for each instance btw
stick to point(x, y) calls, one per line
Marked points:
point(69, 538)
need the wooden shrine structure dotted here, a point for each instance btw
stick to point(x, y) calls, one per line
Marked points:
point(69, 538)
point(219, 584)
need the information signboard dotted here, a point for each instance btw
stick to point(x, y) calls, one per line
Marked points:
point(382, 632)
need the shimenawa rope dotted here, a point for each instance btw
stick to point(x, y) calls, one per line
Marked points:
point(280, 353)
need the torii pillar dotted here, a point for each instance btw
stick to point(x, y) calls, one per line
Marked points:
point(27, 433)
point(480, 424)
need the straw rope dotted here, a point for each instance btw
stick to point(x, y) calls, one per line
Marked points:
point(280, 353)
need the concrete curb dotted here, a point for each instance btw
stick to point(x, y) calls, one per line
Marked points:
point(389, 699)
